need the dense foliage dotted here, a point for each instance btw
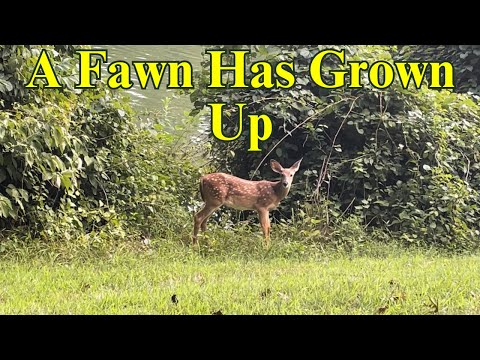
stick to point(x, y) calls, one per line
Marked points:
point(76, 161)
point(403, 160)
point(464, 59)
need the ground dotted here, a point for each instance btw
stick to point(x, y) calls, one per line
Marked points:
point(174, 279)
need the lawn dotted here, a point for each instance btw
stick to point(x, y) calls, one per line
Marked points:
point(150, 282)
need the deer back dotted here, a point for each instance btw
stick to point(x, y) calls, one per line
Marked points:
point(223, 189)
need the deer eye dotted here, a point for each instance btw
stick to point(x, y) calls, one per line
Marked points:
point(291, 175)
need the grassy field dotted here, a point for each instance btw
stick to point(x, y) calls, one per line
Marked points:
point(173, 279)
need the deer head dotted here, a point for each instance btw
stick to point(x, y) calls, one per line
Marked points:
point(287, 174)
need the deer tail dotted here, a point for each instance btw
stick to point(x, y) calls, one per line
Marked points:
point(201, 188)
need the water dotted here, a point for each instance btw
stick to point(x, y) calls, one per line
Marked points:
point(151, 98)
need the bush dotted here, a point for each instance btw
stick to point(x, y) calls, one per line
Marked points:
point(402, 160)
point(77, 161)
point(160, 184)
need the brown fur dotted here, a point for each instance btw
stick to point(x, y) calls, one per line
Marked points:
point(219, 189)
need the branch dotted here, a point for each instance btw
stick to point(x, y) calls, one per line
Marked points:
point(289, 133)
point(323, 171)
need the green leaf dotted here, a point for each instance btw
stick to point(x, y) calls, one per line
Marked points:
point(24, 194)
point(57, 180)
point(12, 191)
point(66, 179)
point(7, 85)
point(88, 160)
point(6, 208)
point(305, 53)
point(57, 135)
point(29, 158)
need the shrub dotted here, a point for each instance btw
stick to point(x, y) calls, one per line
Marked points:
point(403, 160)
point(77, 161)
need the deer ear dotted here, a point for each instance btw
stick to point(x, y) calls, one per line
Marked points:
point(296, 166)
point(275, 165)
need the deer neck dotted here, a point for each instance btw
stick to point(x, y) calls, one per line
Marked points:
point(280, 190)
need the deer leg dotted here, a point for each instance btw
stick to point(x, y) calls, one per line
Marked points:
point(200, 220)
point(203, 226)
point(265, 223)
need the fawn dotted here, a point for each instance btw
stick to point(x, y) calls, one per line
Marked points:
point(219, 189)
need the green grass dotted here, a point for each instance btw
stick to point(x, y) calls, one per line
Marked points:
point(288, 279)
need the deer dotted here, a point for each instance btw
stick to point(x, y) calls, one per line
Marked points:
point(219, 189)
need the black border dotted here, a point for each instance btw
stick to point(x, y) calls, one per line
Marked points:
point(209, 23)
point(330, 334)
point(323, 30)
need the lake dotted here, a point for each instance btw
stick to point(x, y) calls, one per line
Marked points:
point(151, 98)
